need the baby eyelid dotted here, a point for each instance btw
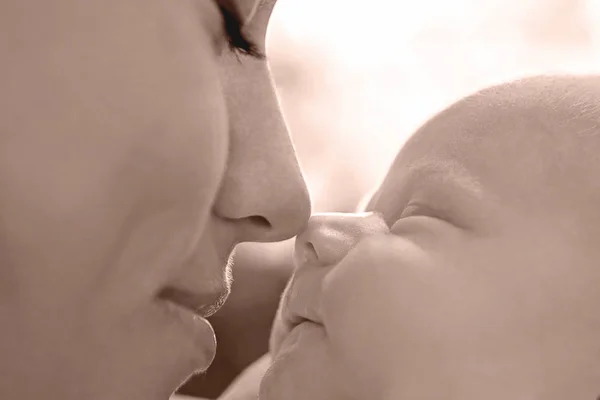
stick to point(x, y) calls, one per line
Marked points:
point(416, 209)
point(438, 213)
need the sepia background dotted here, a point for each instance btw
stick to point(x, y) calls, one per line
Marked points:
point(355, 79)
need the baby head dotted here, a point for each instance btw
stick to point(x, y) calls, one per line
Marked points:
point(476, 273)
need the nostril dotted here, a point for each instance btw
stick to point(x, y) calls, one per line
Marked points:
point(306, 253)
point(311, 249)
point(260, 221)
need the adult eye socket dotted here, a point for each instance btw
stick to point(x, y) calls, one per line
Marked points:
point(233, 27)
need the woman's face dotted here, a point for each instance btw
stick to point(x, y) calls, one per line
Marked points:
point(135, 153)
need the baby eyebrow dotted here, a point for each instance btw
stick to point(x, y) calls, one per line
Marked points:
point(446, 172)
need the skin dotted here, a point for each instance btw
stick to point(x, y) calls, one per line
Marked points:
point(243, 324)
point(135, 153)
point(475, 277)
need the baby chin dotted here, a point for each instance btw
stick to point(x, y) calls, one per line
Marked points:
point(303, 367)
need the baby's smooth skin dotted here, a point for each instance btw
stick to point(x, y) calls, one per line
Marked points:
point(486, 285)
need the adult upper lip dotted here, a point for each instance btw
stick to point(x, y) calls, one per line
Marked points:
point(203, 304)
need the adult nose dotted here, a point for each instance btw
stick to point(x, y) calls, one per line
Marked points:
point(329, 237)
point(262, 191)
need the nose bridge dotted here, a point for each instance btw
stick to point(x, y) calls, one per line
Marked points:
point(329, 237)
point(263, 177)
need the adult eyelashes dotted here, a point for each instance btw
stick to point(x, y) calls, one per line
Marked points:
point(237, 40)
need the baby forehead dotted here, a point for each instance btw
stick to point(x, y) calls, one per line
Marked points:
point(521, 135)
point(528, 118)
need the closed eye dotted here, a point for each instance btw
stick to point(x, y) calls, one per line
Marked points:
point(237, 40)
point(416, 217)
point(418, 209)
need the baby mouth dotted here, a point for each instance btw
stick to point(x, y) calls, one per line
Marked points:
point(293, 315)
point(291, 323)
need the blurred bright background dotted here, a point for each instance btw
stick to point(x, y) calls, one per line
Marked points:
point(356, 78)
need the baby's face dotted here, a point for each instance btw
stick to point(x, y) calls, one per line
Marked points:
point(485, 286)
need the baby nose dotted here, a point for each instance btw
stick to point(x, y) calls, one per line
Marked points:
point(329, 237)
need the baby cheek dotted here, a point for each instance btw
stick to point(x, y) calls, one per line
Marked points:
point(369, 304)
point(367, 282)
